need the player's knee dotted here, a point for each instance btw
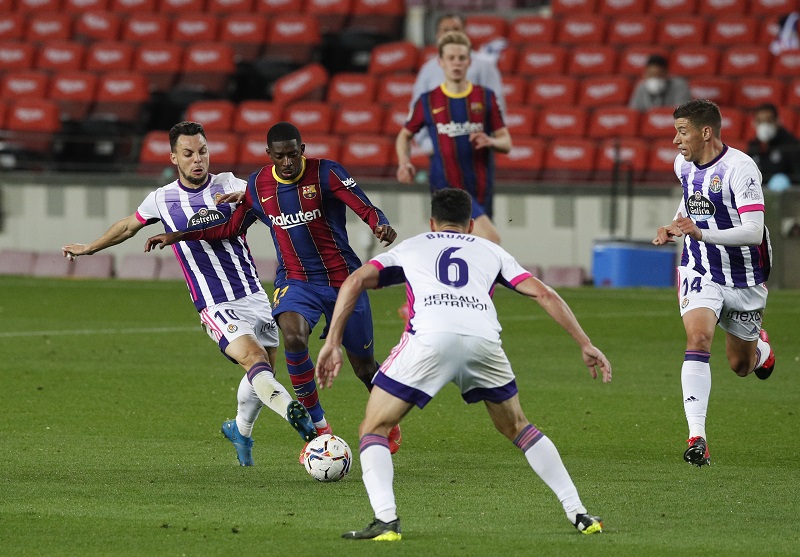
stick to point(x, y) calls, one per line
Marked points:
point(741, 367)
point(698, 340)
point(295, 341)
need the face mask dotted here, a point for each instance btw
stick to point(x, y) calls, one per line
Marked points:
point(765, 131)
point(655, 85)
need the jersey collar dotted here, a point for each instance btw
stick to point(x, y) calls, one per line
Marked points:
point(198, 188)
point(299, 176)
point(457, 95)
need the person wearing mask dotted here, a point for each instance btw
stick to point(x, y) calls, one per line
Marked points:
point(657, 88)
point(775, 150)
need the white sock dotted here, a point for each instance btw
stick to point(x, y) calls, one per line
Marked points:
point(322, 424)
point(377, 472)
point(696, 382)
point(762, 353)
point(272, 394)
point(249, 405)
point(546, 462)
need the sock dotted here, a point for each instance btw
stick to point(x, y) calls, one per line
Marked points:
point(301, 372)
point(543, 457)
point(377, 472)
point(249, 405)
point(272, 394)
point(762, 353)
point(696, 382)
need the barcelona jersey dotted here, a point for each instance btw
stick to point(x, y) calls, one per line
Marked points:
point(450, 118)
point(307, 220)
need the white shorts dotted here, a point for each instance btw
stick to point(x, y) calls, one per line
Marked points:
point(420, 365)
point(739, 310)
point(251, 315)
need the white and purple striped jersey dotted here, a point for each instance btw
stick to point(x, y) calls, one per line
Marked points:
point(714, 196)
point(215, 271)
point(449, 281)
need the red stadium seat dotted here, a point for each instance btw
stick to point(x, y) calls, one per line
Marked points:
point(323, 146)
point(515, 89)
point(395, 118)
point(631, 30)
point(3, 112)
point(658, 123)
point(252, 152)
point(146, 27)
point(16, 55)
point(154, 155)
point(661, 162)
point(121, 97)
point(60, 55)
point(745, 61)
point(621, 8)
point(215, 115)
point(245, 33)
point(368, 156)
point(229, 6)
point(733, 31)
point(566, 8)
point(582, 30)
point(507, 60)
point(292, 38)
point(332, 15)
point(308, 83)
point(106, 56)
point(74, 92)
point(668, 8)
point(345, 87)
point(33, 123)
point(772, 8)
point(633, 59)
point(717, 8)
point(207, 67)
point(607, 90)
point(592, 60)
point(49, 27)
point(25, 84)
point(557, 91)
point(541, 60)
point(789, 119)
point(37, 6)
point(426, 54)
point(223, 148)
point(681, 31)
point(182, 7)
point(694, 61)
point(793, 94)
point(613, 121)
point(310, 117)
point(12, 26)
point(532, 30)
point(483, 28)
point(255, 117)
point(562, 122)
point(133, 6)
point(97, 26)
point(786, 64)
point(523, 162)
point(380, 17)
point(160, 63)
point(733, 124)
point(520, 120)
point(749, 92)
point(628, 152)
point(358, 118)
point(569, 158)
point(398, 56)
point(717, 89)
point(189, 28)
point(82, 6)
point(395, 88)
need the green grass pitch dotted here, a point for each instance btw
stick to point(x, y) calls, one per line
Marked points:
point(112, 400)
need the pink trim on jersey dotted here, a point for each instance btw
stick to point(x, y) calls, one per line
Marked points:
point(140, 218)
point(204, 317)
point(751, 208)
point(387, 363)
point(516, 280)
point(376, 264)
point(186, 276)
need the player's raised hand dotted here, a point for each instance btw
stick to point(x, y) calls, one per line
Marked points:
point(329, 362)
point(385, 233)
point(595, 359)
point(233, 197)
point(162, 240)
point(406, 173)
point(71, 251)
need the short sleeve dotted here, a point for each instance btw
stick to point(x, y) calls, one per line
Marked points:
point(148, 213)
point(746, 186)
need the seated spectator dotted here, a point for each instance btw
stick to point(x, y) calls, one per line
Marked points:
point(775, 150)
point(658, 88)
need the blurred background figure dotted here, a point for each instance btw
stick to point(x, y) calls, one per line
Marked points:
point(775, 150)
point(658, 88)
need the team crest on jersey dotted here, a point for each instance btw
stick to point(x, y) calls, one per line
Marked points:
point(310, 191)
point(232, 328)
point(685, 302)
point(700, 207)
point(716, 184)
point(205, 217)
point(476, 107)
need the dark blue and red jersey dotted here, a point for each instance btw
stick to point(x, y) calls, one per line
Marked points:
point(450, 118)
point(307, 220)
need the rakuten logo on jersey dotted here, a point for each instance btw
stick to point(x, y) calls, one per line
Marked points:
point(455, 129)
point(294, 219)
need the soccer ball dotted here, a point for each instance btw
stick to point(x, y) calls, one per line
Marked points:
point(328, 458)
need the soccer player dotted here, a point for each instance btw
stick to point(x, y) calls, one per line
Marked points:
point(725, 262)
point(454, 337)
point(466, 126)
point(234, 309)
point(303, 202)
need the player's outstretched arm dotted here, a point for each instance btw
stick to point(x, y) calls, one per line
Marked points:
point(162, 240)
point(116, 234)
point(405, 169)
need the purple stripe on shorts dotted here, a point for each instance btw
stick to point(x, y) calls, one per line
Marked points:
point(528, 437)
point(696, 356)
point(403, 392)
point(370, 440)
point(493, 394)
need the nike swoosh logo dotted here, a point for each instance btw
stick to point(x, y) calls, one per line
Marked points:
point(367, 345)
point(438, 110)
point(265, 199)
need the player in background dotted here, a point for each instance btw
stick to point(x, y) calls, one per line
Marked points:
point(234, 309)
point(725, 262)
point(466, 126)
point(454, 337)
point(303, 201)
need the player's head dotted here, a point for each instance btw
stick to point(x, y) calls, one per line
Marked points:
point(187, 141)
point(765, 122)
point(451, 207)
point(285, 147)
point(698, 124)
point(454, 55)
point(448, 22)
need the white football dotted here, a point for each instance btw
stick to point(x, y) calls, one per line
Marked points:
point(328, 458)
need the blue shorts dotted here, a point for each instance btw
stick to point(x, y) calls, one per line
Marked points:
point(312, 301)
